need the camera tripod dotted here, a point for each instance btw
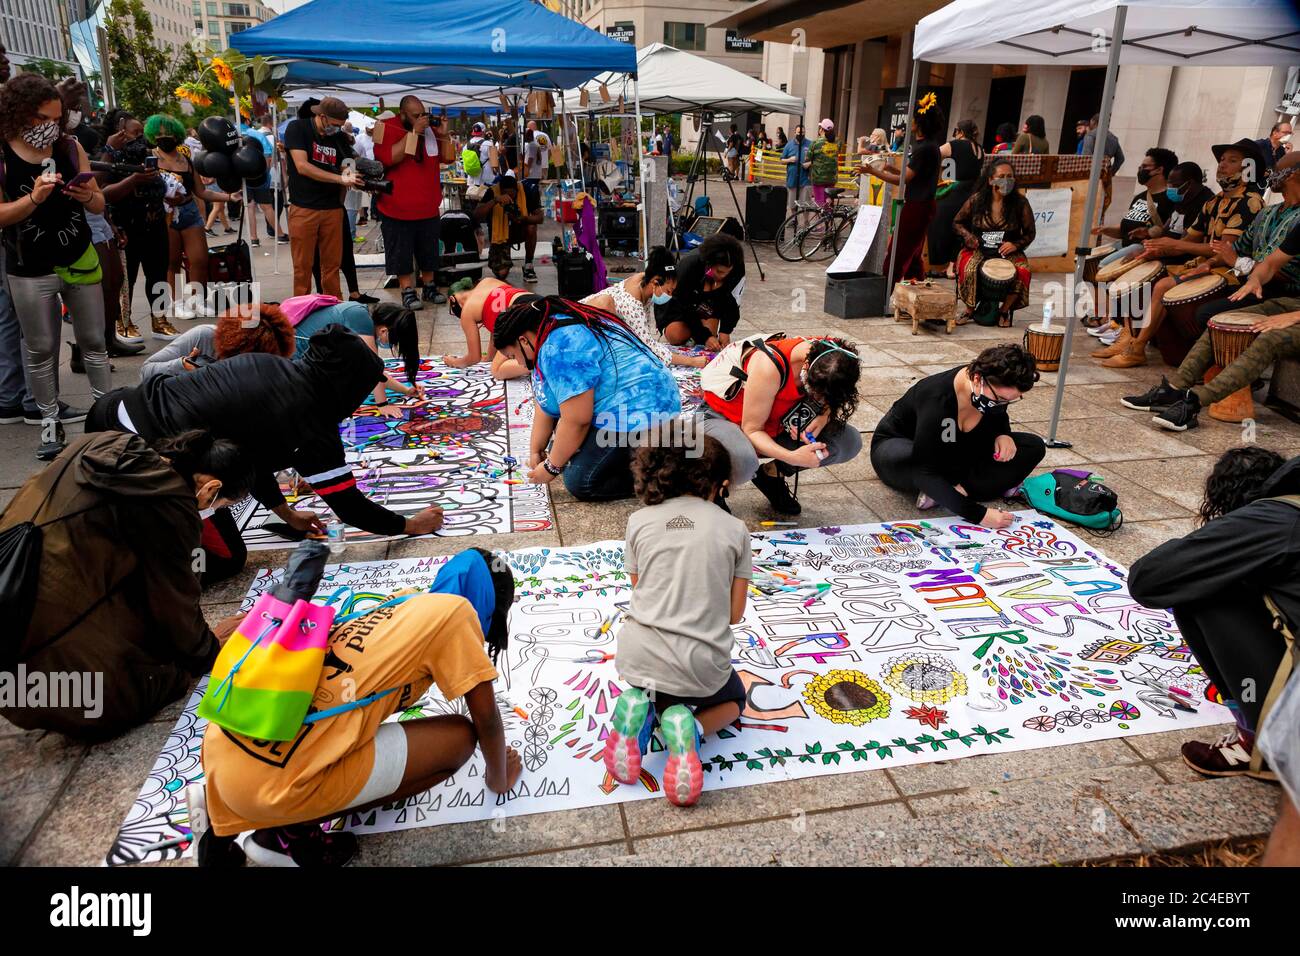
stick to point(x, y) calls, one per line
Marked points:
point(700, 158)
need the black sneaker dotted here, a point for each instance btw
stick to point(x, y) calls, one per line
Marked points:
point(1157, 397)
point(282, 239)
point(411, 300)
point(776, 491)
point(430, 293)
point(256, 242)
point(67, 415)
point(530, 274)
point(1181, 415)
point(55, 441)
point(78, 367)
point(302, 844)
point(364, 299)
point(13, 415)
point(209, 849)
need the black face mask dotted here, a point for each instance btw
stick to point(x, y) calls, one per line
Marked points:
point(453, 306)
point(1144, 176)
point(166, 143)
point(982, 403)
point(529, 363)
point(134, 151)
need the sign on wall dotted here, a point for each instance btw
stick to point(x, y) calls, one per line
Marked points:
point(735, 43)
point(1051, 220)
point(624, 32)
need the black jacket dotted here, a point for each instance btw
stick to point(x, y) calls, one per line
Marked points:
point(1233, 559)
point(691, 304)
point(281, 413)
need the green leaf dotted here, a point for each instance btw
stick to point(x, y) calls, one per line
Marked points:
point(951, 733)
point(913, 748)
point(764, 752)
point(831, 757)
point(885, 752)
point(754, 764)
point(938, 745)
point(806, 759)
point(979, 730)
point(846, 745)
point(815, 748)
point(870, 745)
point(900, 741)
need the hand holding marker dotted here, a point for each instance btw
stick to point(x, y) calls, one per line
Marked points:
point(810, 438)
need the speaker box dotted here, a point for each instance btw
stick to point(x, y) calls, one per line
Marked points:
point(618, 222)
point(765, 211)
point(573, 273)
point(706, 226)
point(855, 295)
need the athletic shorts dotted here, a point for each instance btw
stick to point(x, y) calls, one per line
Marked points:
point(262, 195)
point(733, 691)
point(533, 193)
point(408, 241)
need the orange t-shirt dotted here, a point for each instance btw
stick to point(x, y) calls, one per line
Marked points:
point(786, 398)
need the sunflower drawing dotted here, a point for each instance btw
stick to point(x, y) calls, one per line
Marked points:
point(925, 678)
point(847, 697)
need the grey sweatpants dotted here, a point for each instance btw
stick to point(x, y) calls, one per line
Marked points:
point(843, 443)
point(36, 303)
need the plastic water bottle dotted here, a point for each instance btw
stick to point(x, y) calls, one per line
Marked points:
point(334, 536)
point(1047, 313)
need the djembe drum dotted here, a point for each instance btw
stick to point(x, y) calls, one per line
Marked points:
point(1093, 261)
point(1045, 345)
point(1131, 291)
point(1231, 334)
point(996, 280)
point(1182, 301)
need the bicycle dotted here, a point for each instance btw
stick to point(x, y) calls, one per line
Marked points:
point(812, 233)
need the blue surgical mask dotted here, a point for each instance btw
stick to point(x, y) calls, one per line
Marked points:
point(661, 298)
point(1173, 195)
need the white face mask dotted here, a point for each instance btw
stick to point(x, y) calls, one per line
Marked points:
point(41, 135)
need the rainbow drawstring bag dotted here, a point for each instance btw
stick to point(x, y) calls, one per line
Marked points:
point(265, 677)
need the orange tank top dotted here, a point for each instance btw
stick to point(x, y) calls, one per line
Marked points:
point(786, 397)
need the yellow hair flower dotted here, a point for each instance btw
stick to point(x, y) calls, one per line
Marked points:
point(926, 102)
point(847, 697)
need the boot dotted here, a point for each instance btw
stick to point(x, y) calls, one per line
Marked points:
point(127, 333)
point(1132, 357)
point(1123, 342)
point(78, 367)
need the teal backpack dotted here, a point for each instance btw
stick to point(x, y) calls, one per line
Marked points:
point(1075, 496)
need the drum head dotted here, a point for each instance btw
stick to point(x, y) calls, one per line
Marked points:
point(1050, 330)
point(1196, 288)
point(1104, 250)
point(1235, 321)
point(1000, 270)
point(1139, 274)
point(1113, 271)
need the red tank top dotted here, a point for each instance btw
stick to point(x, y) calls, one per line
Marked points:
point(786, 398)
point(496, 302)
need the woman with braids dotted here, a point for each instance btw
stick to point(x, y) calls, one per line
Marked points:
point(1216, 578)
point(948, 440)
point(358, 759)
point(995, 223)
point(118, 593)
point(793, 407)
point(631, 299)
point(928, 127)
point(181, 187)
point(595, 384)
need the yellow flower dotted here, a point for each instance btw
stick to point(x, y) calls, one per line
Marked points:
point(926, 102)
point(847, 697)
point(925, 678)
point(225, 76)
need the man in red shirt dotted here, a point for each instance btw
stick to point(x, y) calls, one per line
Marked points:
point(412, 147)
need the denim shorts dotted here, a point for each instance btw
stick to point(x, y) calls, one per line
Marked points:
point(187, 217)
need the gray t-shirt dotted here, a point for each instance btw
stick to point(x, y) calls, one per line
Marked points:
point(676, 637)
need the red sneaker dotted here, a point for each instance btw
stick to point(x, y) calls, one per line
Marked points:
point(1229, 756)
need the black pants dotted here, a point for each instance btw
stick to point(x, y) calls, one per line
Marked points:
point(983, 480)
point(146, 248)
point(347, 265)
point(224, 551)
point(1236, 644)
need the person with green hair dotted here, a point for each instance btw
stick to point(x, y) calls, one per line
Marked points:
point(166, 134)
point(475, 306)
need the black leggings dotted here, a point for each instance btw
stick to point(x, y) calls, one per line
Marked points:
point(983, 481)
point(348, 264)
point(1235, 643)
point(224, 551)
point(146, 247)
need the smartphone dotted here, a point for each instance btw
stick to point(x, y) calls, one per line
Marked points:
point(79, 180)
point(151, 162)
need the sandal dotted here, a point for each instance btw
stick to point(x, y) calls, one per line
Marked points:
point(966, 318)
point(1004, 319)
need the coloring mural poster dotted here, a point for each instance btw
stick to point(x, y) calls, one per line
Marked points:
point(868, 646)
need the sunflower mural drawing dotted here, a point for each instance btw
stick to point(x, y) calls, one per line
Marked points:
point(847, 697)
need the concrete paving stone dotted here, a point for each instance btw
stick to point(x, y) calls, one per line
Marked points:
point(21, 815)
point(823, 505)
point(996, 768)
point(1060, 789)
point(494, 839)
point(605, 854)
point(1181, 480)
point(1164, 746)
point(892, 381)
point(581, 522)
point(1138, 500)
point(36, 761)
point(85, 819)
point(1137, 538)
point(883, 500)
point(927, 351)
point(1183, 814)
point(782, 800)
point(1100, 439)
point(1214, 437)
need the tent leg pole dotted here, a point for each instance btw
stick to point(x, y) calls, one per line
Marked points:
point(559, 215)
point(275, 193)
point(644, 235)
point(1089, 210)
point(902, 185)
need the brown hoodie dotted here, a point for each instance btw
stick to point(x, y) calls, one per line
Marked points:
point(118, 592)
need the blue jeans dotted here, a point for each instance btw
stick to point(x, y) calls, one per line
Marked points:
point(1123, 252)
point(601, 470)
point(13, 371)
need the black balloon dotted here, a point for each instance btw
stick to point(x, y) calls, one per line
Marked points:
point(249, 161)
point(218, 135)
point(216, 165)
point(230, 184)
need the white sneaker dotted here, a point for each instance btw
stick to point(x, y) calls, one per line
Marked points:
point(1109, 337)
point(181, 311)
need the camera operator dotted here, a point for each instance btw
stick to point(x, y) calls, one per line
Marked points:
point(412, 146)
point(510, 221)
point(317, 178)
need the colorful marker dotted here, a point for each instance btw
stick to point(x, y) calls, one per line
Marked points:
point(810, 437)
point(778, 524)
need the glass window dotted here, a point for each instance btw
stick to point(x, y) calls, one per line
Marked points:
point(239, 27)
point(237, 10)
point(212, 9)
point(685, 36)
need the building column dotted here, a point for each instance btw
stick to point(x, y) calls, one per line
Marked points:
point(1046, 89)
point(868, 59)
point(970, 93)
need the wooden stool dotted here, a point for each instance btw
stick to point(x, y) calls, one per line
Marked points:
point(924, 303)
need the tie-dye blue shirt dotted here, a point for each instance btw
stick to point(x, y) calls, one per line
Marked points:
point(633, 387)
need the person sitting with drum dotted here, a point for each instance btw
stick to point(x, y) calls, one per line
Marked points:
point(1224, 219)
point(996, 225)
point(1148, 210)
point(1264, 333)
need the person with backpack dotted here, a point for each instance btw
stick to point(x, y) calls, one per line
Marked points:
point(1219, 581)
point(46, 193)
point(115, 528)
point(596, 385)
point(381, 661)
point(785, 399)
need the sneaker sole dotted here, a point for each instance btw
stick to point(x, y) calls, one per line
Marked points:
point(13, 420)
point(1142, 408)
point(623, 747)
point(260, 855)
point(1170, 426)
point(683, 774)
point(1216, 773)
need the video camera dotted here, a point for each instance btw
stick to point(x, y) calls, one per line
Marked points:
point(125, 169)
point(371, 172)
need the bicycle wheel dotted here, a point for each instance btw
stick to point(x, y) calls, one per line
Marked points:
point(787, 239)
point(814, 242)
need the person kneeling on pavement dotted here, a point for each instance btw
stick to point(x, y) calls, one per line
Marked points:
point(1217, 580)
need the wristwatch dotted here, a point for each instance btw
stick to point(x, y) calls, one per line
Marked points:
point(551, 469)
point(1243, 266)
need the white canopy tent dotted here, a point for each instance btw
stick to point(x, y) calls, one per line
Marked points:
point(1105, 32)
